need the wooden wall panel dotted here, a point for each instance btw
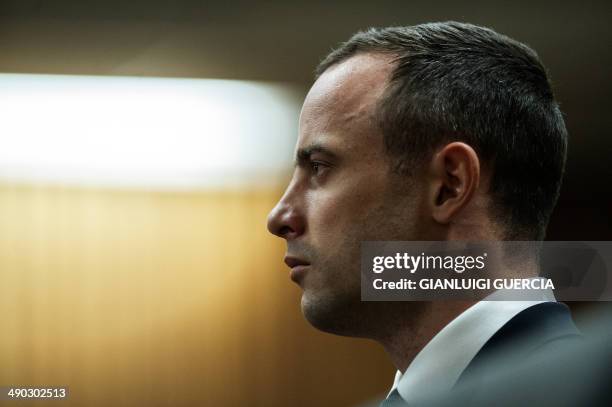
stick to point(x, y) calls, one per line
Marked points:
point(147, 298)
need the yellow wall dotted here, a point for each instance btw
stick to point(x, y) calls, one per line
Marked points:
point(148, 298)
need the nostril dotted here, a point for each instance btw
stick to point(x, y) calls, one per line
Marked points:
point(285, 231)
point(286, 221)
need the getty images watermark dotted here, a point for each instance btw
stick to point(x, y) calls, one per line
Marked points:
point(525, 270)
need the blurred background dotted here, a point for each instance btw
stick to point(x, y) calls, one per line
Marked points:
point(142, 145)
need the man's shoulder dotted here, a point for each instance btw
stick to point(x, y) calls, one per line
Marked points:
point(540, 328)
point(539, 358)
point(533, 328)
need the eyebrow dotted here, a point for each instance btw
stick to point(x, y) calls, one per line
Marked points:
point(303, 154)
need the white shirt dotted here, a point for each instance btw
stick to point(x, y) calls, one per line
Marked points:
point(437, 367)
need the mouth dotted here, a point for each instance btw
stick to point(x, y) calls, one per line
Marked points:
point(298, 267)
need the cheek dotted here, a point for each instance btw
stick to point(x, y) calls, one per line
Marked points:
point(334, 212)
point(339, 224)
point(354, 194)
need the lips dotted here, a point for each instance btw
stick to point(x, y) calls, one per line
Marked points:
point(294, 262)
point(298, 268)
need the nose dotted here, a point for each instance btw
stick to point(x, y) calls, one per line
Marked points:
point(286, 219)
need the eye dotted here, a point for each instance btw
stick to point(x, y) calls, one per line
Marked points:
point(317, 167)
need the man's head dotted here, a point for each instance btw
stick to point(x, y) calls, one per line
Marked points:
point(432, 132)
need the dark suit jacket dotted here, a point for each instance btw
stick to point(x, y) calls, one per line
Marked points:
point(538, 358)
point(541, 328)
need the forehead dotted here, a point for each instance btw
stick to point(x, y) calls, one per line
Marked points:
point(344, 97)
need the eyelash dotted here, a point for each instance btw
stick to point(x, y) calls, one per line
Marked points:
point(316, 167)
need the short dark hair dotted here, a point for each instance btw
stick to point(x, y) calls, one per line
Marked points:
point(460, 82)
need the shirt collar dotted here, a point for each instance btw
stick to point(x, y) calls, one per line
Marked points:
point(437, 367)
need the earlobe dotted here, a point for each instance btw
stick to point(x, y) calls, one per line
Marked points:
point(456, 176)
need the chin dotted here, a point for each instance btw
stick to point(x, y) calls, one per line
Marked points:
point(333, 314)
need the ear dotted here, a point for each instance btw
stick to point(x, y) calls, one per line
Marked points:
point(455, 176)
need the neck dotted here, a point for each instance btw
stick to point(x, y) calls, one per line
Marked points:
point(407, 339)
point(416, 323)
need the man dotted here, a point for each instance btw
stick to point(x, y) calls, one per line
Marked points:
point(442, 131)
